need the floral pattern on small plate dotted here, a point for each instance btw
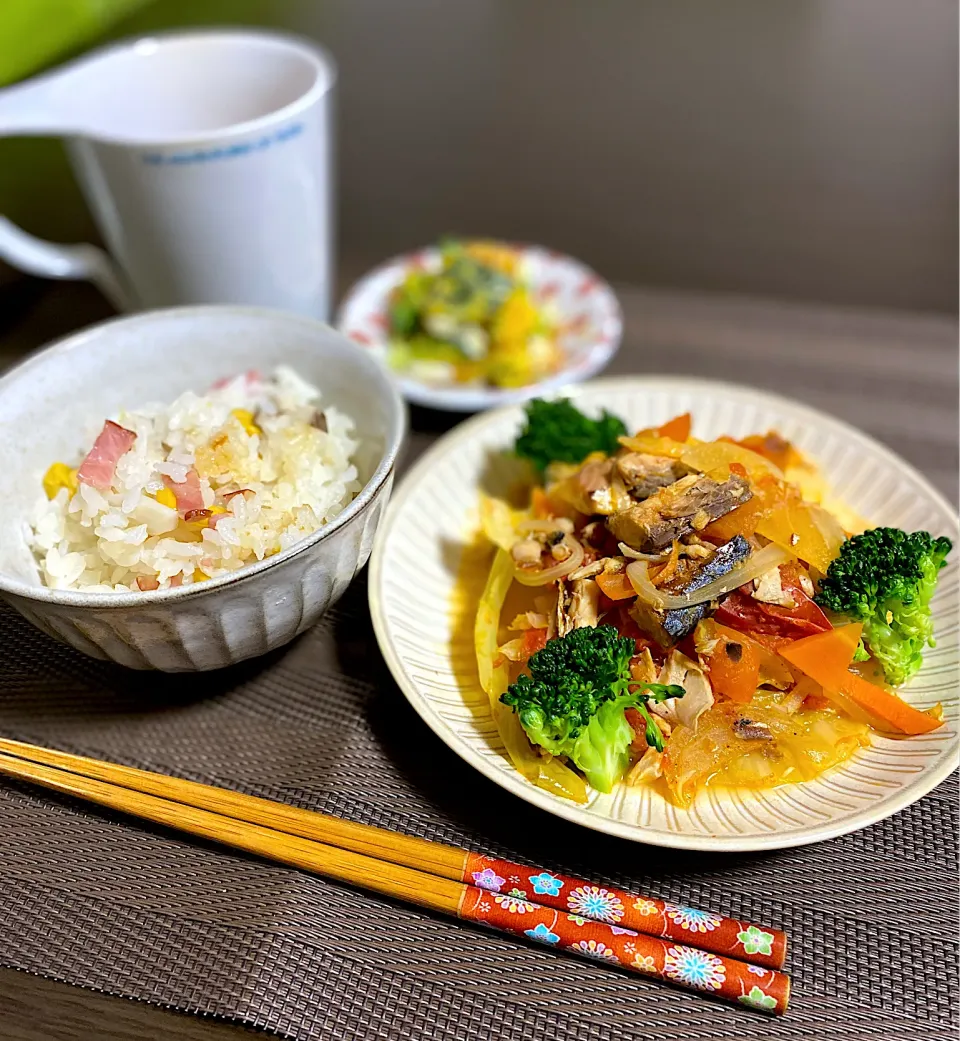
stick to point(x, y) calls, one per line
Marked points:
point(589, 316)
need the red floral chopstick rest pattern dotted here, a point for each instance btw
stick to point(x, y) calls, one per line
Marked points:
point(620, 909)
point(759, 988)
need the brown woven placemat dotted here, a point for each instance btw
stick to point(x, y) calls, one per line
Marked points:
point(94, 899)
point(97, 900)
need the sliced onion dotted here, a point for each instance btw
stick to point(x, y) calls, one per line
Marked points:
point(547, 524)
point(635, 554)
point(513, 649)
point(829, 527)
point(754, 566)
point(543, 576)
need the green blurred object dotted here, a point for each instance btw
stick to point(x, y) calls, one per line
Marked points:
point(36, 32)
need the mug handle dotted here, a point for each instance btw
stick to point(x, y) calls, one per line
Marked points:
point(55, 260)
point(23, 112)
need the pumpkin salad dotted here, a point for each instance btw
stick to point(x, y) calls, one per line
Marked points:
point(670, 611)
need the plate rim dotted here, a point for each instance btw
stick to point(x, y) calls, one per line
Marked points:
point(452, 399)
point(574, 812)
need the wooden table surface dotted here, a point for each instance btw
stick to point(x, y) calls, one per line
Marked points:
point(892, 374)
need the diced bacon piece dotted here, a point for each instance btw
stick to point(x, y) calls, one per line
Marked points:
point(177, 580)
point(100, 464)
point(145, 584)
point(251, 376)
point(188, 492)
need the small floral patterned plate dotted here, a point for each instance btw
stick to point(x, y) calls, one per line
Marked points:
point(586, 308)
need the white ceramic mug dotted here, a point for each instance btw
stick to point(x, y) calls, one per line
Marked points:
point(206, 160)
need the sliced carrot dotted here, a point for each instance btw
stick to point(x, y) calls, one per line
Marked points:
point(734, 666)
point(773, 447)
point(669, 568)
point(888, 707)
point(615, 585)
point(677, 428)
point(830, 652)
point(826, 658)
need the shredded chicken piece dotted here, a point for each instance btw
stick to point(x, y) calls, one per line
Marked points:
point(653, 558)
point(578, 605)
point(774, 673)
point(643, 669)
point(529, 620)
point(678, 668)
point(588, 570)
point(563, 625)
point(791, 703)
point(545, 605)
point(696, 550)
point(647, 768)
point(768, 588)
point(526, 552)
point(513, 649)
point(584, 603)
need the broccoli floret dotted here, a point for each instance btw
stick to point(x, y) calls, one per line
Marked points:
point(885, 579)
point(860, 652)
point(574, 700)
point(557, 431)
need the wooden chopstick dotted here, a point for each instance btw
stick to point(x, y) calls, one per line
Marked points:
point(388, 863)
point(762, 945)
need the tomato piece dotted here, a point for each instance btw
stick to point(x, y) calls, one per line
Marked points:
point(742, 612)
point(677, 429)
point(806, 614)
point(734, 666)
point(533, 640)
point(639, 727)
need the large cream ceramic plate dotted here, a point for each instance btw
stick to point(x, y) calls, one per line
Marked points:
point(435, 512)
